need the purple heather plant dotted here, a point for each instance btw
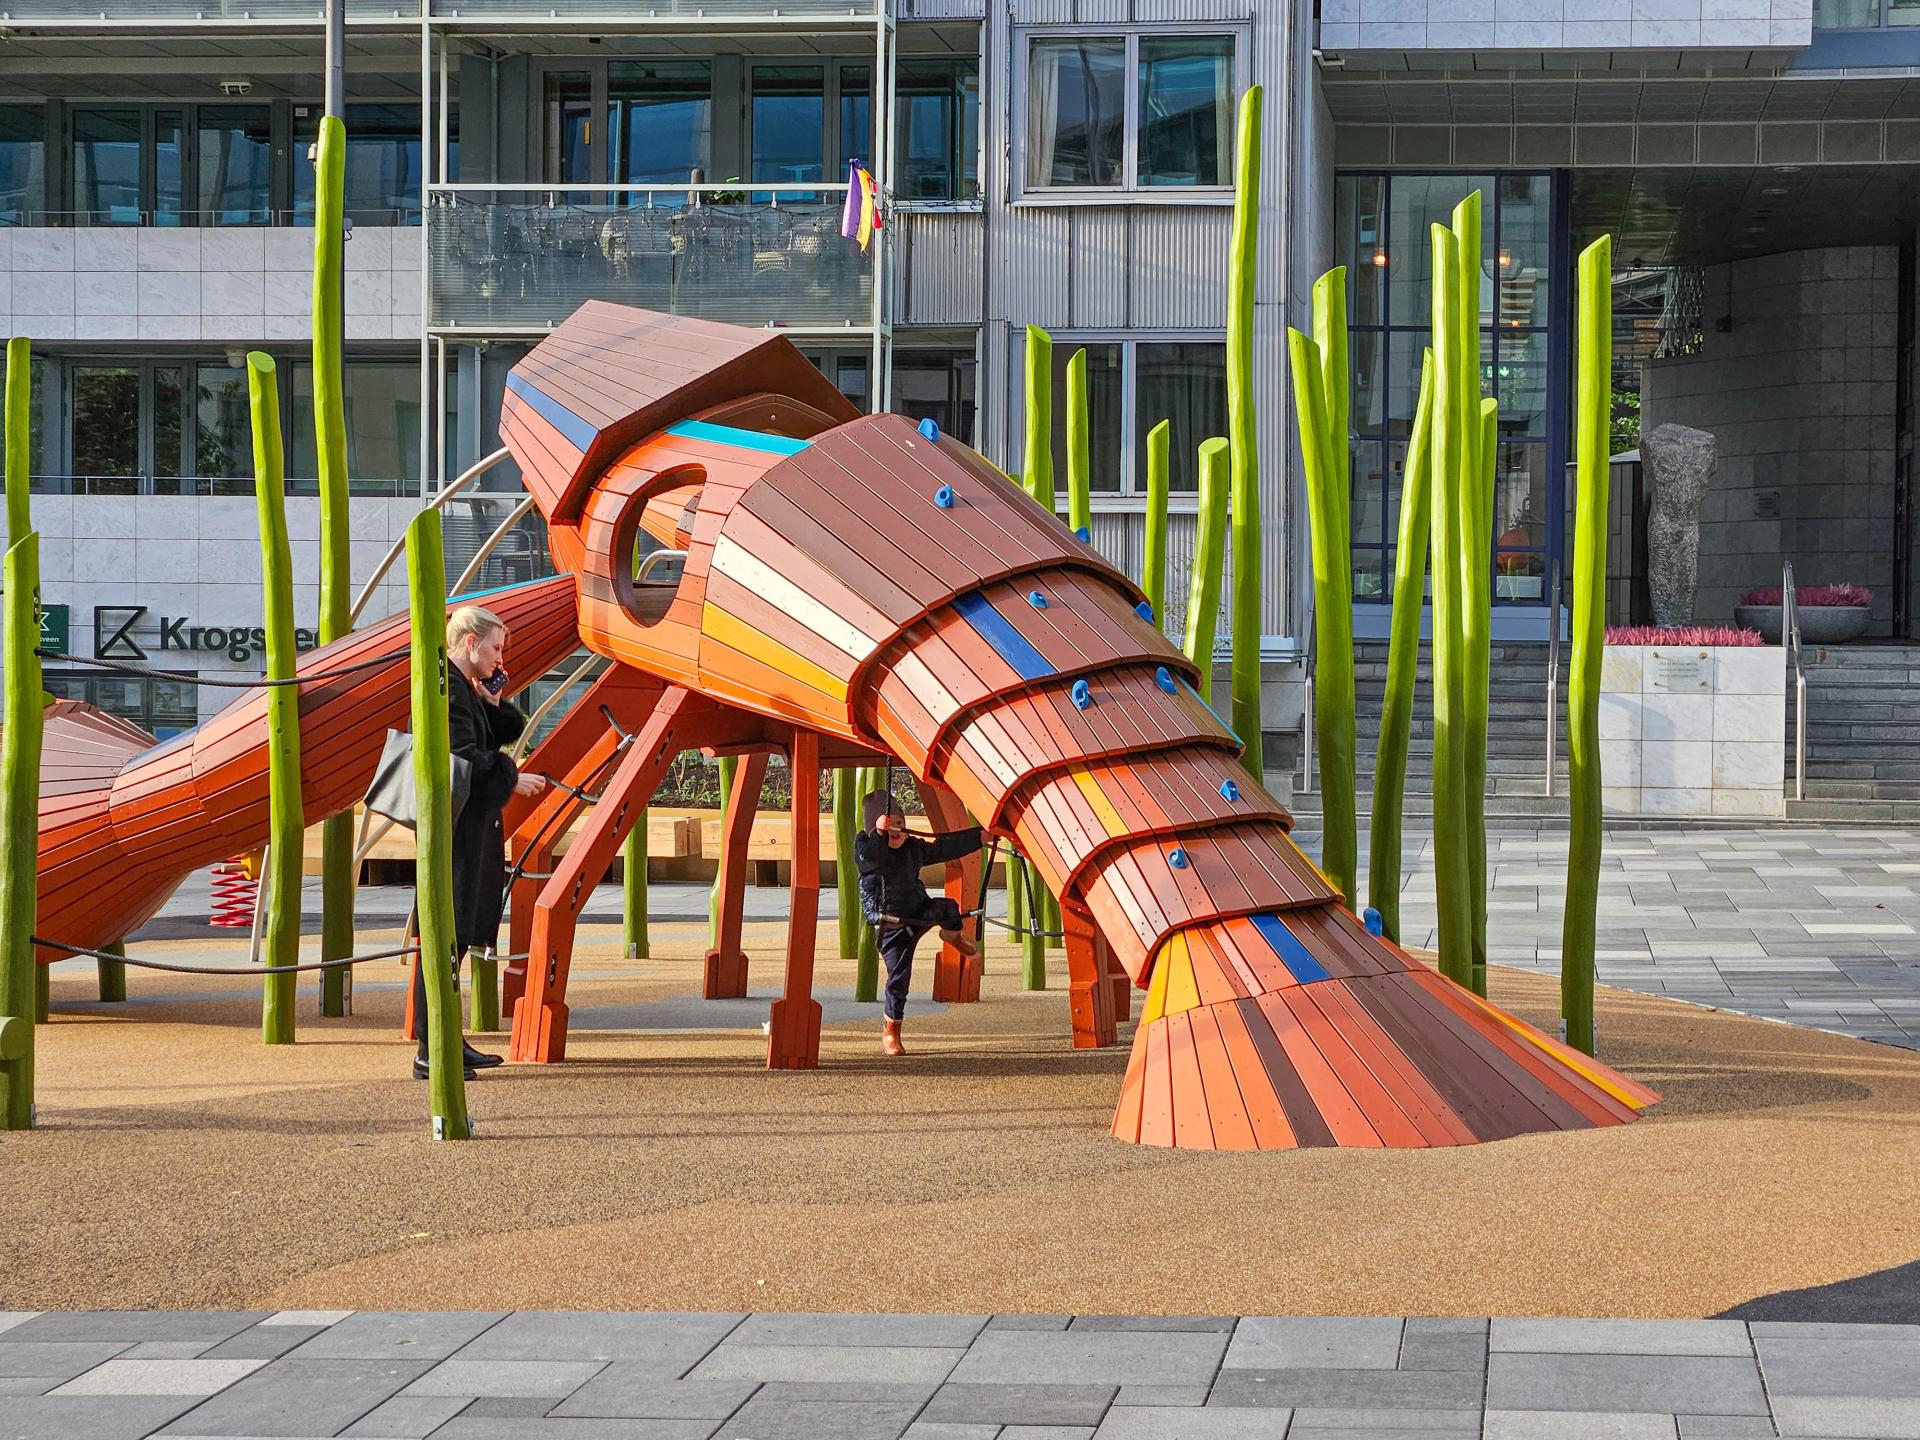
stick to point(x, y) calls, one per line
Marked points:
point(1688, 635)
point(1811, 595)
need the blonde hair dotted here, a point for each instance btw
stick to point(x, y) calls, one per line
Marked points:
point(471, 620)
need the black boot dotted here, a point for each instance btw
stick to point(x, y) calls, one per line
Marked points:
point(479, 1059)
point(420, 1071)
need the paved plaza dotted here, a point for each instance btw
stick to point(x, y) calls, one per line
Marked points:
point(663, 1376)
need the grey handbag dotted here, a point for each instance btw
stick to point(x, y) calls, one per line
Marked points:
point(391, 794)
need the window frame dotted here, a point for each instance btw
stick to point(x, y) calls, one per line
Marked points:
point(953, 204)
point(1129, 191)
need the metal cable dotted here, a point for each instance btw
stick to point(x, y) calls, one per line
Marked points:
point(144, 964)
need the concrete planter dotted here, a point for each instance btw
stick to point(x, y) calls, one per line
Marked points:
point(1692, 730)
point(1819, 624)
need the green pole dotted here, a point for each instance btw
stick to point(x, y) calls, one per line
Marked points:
point(729, 764)
point(1592, 406)
point(433, 837)
point(1403, 659)
point(21, 977)
point(113, 974)
point(337, 877)
point(1033, 916)
point(1335, 723)
point(846, 873)
point(280, 933)
point(1159, 469)
point(1209, 560)
point(866, 969)
point(633, 893)
point(1453, 876)
point(1038, 472)
point(1242, 438)
point(1079, 449)
point(1476, 581)
point(19, 411)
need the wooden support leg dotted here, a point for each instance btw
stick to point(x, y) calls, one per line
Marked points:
point(1117, 977)
point(956, 976)
point(726, 969)
point(540, 1016)
point(1089, 989)
point(793, 1033)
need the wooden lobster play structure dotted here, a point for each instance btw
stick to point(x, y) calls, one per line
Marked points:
point(847, 589)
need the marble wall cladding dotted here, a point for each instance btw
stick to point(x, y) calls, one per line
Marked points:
point(1411, 25)
point(1693, 731)
point(240, 285)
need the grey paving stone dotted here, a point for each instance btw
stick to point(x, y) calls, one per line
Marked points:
point(1881, 1417)
point(826, 1363)
point(299, 1396)
point(618, 1392)
point(1712, 1427)
point(1030, 1322)
point(1888, 1368)
point(1188, 1324)
point(1390, 1421)
point(1423, 1432)
point(1215, 1422)
point(130, 1327)
point(95, 1417)
point(165, 1350)
point(265, 1341)
point(505, 1407)
point(1090, 1357)
point(159, 1377)
point(1621, 1337)
point(55, 1361)
point(1266, 1342)
point(550, 1379)
point(27, 1384)
point(502, 1428)
point(1162, 1395)
point(406, 1417)
point(398, 1334)
point(951, 1331)
point(1832, 1330)
point(1047, 1432)
point(878, 1391)
point(307, 1318)
point(11, 1319)
point(940, 1430)
point(1329, 1389)
point(1576, 1425)
point(974, 1404)
point(1443, 1344)
point(803, 1420)
point(1656, 1384)
point(666, 1343)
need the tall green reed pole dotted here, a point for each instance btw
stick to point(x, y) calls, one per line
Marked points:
point(1592, 407)
point(20, 743)
point(633, 894)
point(433, 839)
point(846, 874)
point(337, 876)
point(1241, 435)
point(286, 844)
point(1079, 450)
point(1403, 660)
point(1478, 448)
point(1209, 560)
point(1038, 476)
point(1153, 578)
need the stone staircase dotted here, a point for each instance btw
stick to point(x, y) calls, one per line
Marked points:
point(1516, 733)
point(1863, 733)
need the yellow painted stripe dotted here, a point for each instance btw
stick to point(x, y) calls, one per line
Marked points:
point(1568, 1057)
point(1096, 797)
point(1156, 1007)
point(731, 559)
point(1183, 992)
point(739, 635)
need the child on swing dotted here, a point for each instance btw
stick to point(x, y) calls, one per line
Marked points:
point(894, 901)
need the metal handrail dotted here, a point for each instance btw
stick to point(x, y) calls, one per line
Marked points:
point(546, 706)
point(460, 482)
point(492, 543)
point(1790, 636)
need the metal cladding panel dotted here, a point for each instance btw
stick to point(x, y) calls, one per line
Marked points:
point(1042, 12)
point(1281, 64)
point(1156, 10)
point(1030, 261)
point(1117, 537)
point(945, 10)
point(1179, 273)
point(1279, 461)
point(1102, 12)
point(939, 272)
point(1100, 250)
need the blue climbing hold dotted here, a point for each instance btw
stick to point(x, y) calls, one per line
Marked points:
point(1083, 535)
point(1145, 611)
point(1177, 859)
point(1036, 599)
point(929, 429)
point(1229, 790)
point(1082, 694)
point(943, 497)
point(1370, 917)
point(1163, 677)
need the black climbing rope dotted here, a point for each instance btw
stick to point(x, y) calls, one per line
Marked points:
point(141, 963)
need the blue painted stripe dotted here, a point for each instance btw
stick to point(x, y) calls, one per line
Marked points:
point(742, 439)
point(992, 627)
point(577, 432)
point(1287, 946)
point(1213, 712)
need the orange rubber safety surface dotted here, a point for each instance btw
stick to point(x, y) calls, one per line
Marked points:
point(853, 589)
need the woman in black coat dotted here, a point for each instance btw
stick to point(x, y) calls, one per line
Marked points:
point(479, 725)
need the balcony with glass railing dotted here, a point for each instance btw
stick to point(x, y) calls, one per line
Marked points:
point(516, 258)
point(172, 14)
point(678, 14)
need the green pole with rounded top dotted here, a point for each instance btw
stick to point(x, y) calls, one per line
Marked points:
point(1079, 448)
point(433, 837)
point(1242, 437)
point(1478, 446)
point(1153, 578)
point(286, 842)
point(19, 423)
point(1037, 474)
point(1209, 560)
point(21, 975)
point(337, 876)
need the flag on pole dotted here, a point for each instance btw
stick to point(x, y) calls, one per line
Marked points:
point(861, 215)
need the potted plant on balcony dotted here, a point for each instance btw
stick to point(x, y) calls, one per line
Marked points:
point(1829, 614)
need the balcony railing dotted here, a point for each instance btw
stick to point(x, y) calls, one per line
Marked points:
point(694, 14)
point(519, 257)
point(150, 14)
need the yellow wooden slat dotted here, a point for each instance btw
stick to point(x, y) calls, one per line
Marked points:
point(1156, 1006)
point(1102, 807)
point(1183, 991)
point(736, 634)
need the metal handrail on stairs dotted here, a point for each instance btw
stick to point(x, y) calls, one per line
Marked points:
point(1790, 636)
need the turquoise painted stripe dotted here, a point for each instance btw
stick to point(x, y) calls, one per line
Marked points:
point(1013, 647)
point(1213, 712)
point(497, 589)
point(742, 439)
point(1287, 946)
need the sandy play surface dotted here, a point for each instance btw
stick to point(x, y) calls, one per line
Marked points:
point(181, 1163)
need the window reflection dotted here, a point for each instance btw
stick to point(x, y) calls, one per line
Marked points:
point(1186, 384)
point(23, 163)
point(1103, 415)
point(1186, 110)
point(106, 166)
point(789, 124)
point(1076, 105)
point(660, 119)
point(939, 142)
point(234, 157)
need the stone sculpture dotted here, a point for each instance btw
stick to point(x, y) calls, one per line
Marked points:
point(1679, 461)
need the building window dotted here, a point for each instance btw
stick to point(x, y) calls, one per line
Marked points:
point(660, 119)
point(383, 425)
point(382, 167)
point(23, 163)
point(856, 119)
point(936, 385)
point(1132, 385)
point(789, 115)
point(1141, 111)
point(1865, 14)
point(234, 157)
point(109, 180)
point(937, 154)
point(1381, 236)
